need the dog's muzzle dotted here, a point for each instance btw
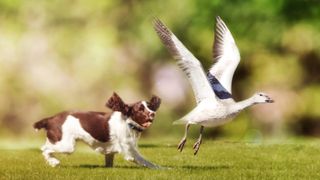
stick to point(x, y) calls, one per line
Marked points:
point(135, 126)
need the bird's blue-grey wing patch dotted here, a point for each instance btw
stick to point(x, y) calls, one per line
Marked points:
point(218, 89)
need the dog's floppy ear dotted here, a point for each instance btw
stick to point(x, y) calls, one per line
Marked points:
point(116, 104)
point(154, 103)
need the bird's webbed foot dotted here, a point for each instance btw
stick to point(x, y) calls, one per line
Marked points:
point(196, 146)
point(182, 143)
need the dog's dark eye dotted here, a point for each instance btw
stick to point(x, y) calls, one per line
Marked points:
point(141, 108)
point(150, 106)
point(260, 94)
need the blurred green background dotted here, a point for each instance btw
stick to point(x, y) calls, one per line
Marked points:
point(58, 55)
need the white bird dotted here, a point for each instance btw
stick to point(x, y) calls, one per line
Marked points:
point(215, 105)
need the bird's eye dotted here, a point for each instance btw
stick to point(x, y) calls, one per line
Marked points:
point(141, 108)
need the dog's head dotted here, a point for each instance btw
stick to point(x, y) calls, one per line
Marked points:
point(141, 112)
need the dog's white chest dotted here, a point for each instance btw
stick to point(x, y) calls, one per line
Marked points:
point(122, 138)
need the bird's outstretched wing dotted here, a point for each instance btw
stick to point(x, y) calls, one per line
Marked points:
point(226, 55)
point(186, 61)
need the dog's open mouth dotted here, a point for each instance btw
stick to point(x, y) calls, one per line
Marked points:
point(147, 124)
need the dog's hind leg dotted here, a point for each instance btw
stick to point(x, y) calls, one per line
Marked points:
point(63, 146)
point(109, 159)
point(47, 151)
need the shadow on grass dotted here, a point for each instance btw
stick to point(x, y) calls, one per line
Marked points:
point(94, 166)
point(145, 145)
point(149, 146)
point(157, 145)
point(205, 167)
point(34, 149)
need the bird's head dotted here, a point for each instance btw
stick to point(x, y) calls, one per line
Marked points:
point(260, 98)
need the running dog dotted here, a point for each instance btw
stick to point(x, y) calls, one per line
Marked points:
point(105, 132)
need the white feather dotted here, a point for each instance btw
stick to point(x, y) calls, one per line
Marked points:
point(226, 55)
point(187, 62)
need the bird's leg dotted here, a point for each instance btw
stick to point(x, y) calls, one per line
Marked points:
point(184, 139)
point(196, 146)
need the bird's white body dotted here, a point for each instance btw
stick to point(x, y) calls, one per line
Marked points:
point(209, 113)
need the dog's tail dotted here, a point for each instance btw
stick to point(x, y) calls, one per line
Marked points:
point(41, 124)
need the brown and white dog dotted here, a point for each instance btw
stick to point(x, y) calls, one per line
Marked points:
point(107, 133)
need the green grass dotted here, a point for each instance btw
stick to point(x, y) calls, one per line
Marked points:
point(216, 159)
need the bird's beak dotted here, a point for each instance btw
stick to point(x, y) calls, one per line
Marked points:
point(270, 101)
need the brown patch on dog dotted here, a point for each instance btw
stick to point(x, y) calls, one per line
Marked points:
point(139, 113)
point(136, 111)
point(53, 126)
point(95, 123)
point(154, 103)
point(116, 104)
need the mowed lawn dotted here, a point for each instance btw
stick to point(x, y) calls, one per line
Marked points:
point(216, 159)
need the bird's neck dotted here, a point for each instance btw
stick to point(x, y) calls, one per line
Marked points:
point(239, 106)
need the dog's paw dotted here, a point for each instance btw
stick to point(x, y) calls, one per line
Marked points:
point(153, 166)
point(162, 167)
point(53, 162)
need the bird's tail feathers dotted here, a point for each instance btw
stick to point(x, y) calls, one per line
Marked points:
point(180, 121)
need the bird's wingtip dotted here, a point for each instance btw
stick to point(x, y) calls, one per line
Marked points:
point(157, 22)
point(154, 19)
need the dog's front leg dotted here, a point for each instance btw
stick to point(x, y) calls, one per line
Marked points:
point(134, 155)
point(143, 162)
